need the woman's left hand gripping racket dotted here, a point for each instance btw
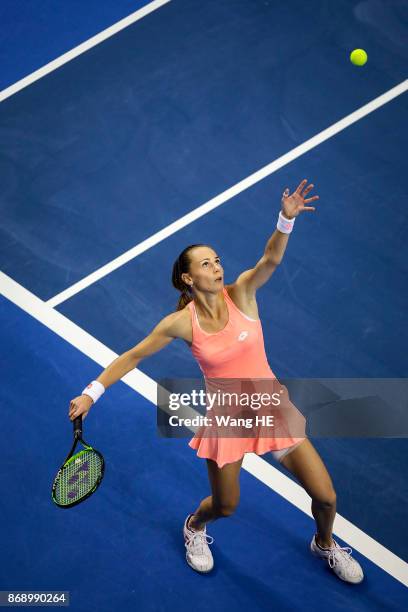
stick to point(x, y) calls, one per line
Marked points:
point(80, 475)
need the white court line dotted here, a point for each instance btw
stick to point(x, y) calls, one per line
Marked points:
point(85, 46)
point(254, 464)
point(228, 194)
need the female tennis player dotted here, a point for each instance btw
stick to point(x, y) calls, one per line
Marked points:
point(221, 326)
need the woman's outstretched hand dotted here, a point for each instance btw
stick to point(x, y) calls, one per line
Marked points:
point(294, 204)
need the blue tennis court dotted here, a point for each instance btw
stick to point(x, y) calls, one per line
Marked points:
point(184, 126)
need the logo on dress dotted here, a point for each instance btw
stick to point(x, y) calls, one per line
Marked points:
point(242, 336)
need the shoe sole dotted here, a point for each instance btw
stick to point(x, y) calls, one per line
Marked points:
point(197, 570)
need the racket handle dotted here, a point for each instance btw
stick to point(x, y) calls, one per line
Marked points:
point(78, 425)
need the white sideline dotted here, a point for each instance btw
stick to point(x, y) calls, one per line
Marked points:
point(147, 387)
point(85, 46)
point(227, 195)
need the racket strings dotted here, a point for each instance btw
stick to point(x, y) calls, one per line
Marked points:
point(78, 477)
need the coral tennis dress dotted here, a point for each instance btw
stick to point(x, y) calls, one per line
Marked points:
point(237, 351)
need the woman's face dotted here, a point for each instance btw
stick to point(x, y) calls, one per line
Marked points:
point(206, 271)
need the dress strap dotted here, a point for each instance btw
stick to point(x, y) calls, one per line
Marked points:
point(230, 301)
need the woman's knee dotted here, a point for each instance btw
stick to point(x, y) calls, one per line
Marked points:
point(326, 498)
point(225, 509)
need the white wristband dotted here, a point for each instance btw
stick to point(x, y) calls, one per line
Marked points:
point(285, 225)
point(95, 389)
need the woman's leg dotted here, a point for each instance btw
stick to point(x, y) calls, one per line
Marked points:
point(225, 494)
point(305, 464)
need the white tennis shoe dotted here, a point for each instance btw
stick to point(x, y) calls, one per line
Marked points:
point(198, 554)
point(340, 561)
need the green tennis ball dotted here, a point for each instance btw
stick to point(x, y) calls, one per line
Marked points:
point(358, 57)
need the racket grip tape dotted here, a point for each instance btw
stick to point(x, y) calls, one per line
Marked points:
point(78, 424)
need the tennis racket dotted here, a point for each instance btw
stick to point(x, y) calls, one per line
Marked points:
point(80, 474)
